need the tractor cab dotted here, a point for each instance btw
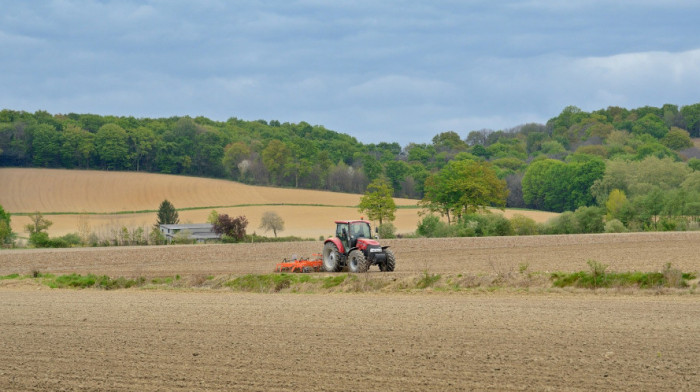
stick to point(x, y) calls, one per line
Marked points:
point(349, 231)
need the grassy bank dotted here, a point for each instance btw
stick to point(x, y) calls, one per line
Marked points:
point(668, 279)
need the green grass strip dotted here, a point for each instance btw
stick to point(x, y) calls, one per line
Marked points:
point(643, 280)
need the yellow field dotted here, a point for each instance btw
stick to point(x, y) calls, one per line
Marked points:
point(107, 193)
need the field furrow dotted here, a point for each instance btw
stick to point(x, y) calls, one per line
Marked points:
point(96, 340)
point(621, 252)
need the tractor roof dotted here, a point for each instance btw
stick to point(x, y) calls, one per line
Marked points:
point(352, 221)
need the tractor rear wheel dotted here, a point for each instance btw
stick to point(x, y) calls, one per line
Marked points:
point(331, 258)
point(357, 261)
point(390, 262)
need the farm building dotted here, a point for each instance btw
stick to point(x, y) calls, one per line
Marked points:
point(200, 232)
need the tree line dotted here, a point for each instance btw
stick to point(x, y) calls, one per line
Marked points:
point(574, 160)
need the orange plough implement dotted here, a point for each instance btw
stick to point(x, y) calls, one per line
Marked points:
point(305, 265)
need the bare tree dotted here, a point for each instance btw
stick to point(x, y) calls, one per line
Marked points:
point(271, 221)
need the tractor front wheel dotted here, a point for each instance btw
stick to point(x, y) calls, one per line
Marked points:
point(331, 258)
point(390, 262)
point(357, 261)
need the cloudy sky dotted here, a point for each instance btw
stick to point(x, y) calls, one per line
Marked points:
point(378, 70)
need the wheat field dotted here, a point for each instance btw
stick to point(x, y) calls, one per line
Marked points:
point(108, 200)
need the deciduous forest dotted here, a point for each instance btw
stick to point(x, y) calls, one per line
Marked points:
point(637, 164)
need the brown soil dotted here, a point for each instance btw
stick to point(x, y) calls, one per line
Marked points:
point(220, 340)
point(621, 252)
point(194, 341)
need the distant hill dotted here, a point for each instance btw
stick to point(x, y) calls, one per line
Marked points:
point(574, 160)
point(110, 200)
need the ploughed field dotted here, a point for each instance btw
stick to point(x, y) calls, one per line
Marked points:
point(217, 339)
point(195, 341)
point(567, 253)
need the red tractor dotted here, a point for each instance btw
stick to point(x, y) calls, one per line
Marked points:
point(354, 248)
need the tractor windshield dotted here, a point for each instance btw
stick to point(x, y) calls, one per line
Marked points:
point(360, 229)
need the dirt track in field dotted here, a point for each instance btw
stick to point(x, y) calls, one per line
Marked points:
point(142, 340)
point(621, 252)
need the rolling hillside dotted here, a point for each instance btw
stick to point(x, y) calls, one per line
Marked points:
point(110, 200)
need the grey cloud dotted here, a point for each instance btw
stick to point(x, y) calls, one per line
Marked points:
point(381, 71)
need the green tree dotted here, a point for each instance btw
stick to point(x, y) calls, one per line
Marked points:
point(5, 227)
point(234, 154)
point(213, 217)
point(167, 214)
point(652, 204)
point(46, 146)
point(78, 147)
point(694, 163)
point(677, 139)
point(207, 153)
point(38, 223)
point(111, 143)
point(652, 125)
point(539, 181)
point(449, 141)
point(691, 116)
point(569, 116)
point(419, 153)
point(614, 204)
point(142, 141)
point(552, 148)
point(275, 158)
point(298, 167)
point(377, 201)
point(372, 167)
point(396, 172)
point(271, 221)
point(463, 187)
point(553, 185)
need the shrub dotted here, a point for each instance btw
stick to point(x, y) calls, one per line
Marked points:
point(522, 225)
point(589, 219)
point(480, 225)
point(90, 280)
point(599, 277)
point(42, 240)
point(156, 237)
point(427, 280)
point(387, 230)
point(565, 223)
point(615, 226)
point(233, 228)
point(183, 237)
point(497, 224)
point(39, 240)
point(672, 223)
point(432, 226)
point(466, 227)
point(72, 239)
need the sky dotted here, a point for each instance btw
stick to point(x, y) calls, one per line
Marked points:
point(381, 71)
